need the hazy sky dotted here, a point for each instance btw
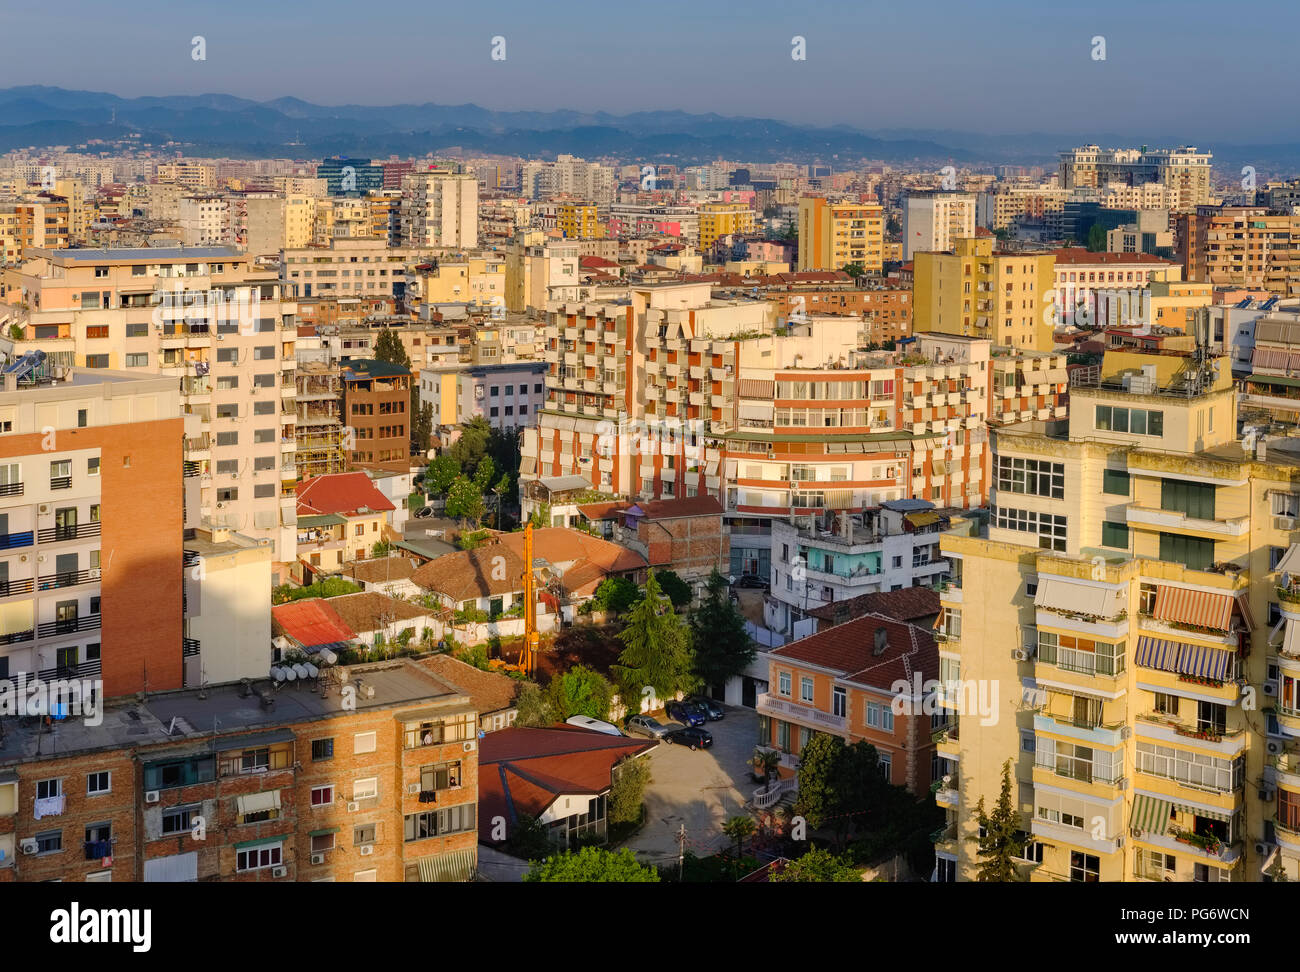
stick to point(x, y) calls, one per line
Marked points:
point(1180, 67)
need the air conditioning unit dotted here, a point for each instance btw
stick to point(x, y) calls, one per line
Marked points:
point(1284, 522)
point(469, 745)
point(29, 846)
point(1125, 731)
point(318, 858)
point(412, 788)
point(1020, 654)
point(279, 872)
point(43, 509)
point(353, 806)
point(367, 849)
point(1274, 747)
point(151, 796)
point(1270, 686)
point(1263, 848)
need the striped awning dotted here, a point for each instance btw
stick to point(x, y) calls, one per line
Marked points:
point(1210, 813)
point(1150, 814)
point(1201, 608)
point(456, 866)
point(1184, 659)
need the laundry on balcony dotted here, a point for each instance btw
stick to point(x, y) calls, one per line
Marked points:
point(48, 806)
point(1202, 661)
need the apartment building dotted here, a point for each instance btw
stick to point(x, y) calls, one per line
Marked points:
point(82, 456)
point(843, 681)
point(836, 234)
point(277, 222)
point(209, 316)
point(1079, 274)
point(478, 280)
point(188, 173)
point(307, 785)
point(886, 312)
point(33, 222)
point(723, 219)
point(227, 632)
point(341, 518)
point(508, 395)
point(635, 220)
point(579, 221)
point(1241, 246)
point(205, 220)
point(440, 208)
point(1144, 543)
point(539, 271)
point(1010, 205)
point(376, 407)
point(1184, 171)
point(318, 420)
point(350, 267)
point(977, 291)
point(936, 220)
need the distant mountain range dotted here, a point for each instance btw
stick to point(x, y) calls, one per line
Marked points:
point(218, 124)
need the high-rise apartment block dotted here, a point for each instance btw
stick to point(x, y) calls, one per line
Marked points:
point(1184, 172)
point(440, 208)
point(833, 235)
point(936, 220)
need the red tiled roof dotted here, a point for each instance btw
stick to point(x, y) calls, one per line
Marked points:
point(667, 509)
point(849, 650)
point(595, 263)
point(1077, 254)
point(905, 604)
point(523, 771)
point(340, 493)
point(311, 622)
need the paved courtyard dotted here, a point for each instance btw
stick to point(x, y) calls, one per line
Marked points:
point(700, 789)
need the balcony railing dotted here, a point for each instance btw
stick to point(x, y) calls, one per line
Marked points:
point(89, 622)
point(12, 541)
point(60, 482)
point(73, 531)
point(22, 585)
point(11, 489)
point(17, 637)
point(189, 647)
point(68, 578)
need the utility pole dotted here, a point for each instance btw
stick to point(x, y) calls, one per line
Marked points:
point(681, 850)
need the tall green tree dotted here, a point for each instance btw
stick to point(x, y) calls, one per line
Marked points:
point(818, 800)
point(722, 646)
point(592, 864)
point(1096, 238)
point(580, 691)
point(1001, 843)
point(441, 473)
point(389, 348)
point(465, 501)
point(421, 424)
point(627, 793)
point(656, 650)
point(677, 590)
point(740, 829)
point(818, 866)
point(472, 445)
point(534, 706)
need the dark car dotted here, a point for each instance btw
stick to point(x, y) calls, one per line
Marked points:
point(752, 581)
point(644, 725)
point(712, 708)
point(692, 736)
point(687, 712)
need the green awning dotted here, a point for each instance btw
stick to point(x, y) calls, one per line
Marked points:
point(456, 866)
point(1275, 380)
point(1210, 813)
point(263, 840)
point(322, 519)
point(1150, 814)
point(323, 831)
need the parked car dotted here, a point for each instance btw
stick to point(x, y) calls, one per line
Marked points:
point(692, 736)
point(595, 725)
point(712, 708)
point(687, 712)
point(752, 581)
point(644, 725)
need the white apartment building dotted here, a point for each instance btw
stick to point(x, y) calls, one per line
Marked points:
point(440, 209)
point(933, 219)
point(205, 220)
point(350, 267)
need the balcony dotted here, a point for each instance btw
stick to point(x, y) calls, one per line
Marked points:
point(12, 541)
point(68, 578)
point(770, 705)
point(11, 489)
point(189, 647)
point(48, 629)
point(1173, 519)
point(72, 531)
point(1085, 730)
point(60, 482)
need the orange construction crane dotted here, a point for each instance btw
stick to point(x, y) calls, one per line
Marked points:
point(528, 654)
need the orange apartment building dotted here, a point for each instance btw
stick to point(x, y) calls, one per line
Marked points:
point(376, 404)
point(373, 777)
point(886, 313)
point(842, 681)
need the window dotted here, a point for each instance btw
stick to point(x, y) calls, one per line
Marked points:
point(264, 490)
point(97, 783)
point(436, 823)
point(227, 438)
point(839, 702)
point(364, 834)
point(137, 330)
point(1194, 553)
point(1115, 482)
point(1084, 867)
point(1166, 704)
point(1286, 504)
point(256, 858)
point(321, 843)
point(365, 789)
point(137, 360)
point(885, 763)
point(1114, 535)
point(805, 689)
point(1051, 529)
point(1138, 421)
point(322, 796)
point(49, 842)
point(48, 789)
point(363, 742)
point(228, 494)
point(1195, 500)
point(96, 361)
point(440, 776)
point(783, 680)
point(263, 408)
point(179, 820)
point(92, 466)
point(322, 748)
point(1031, 477)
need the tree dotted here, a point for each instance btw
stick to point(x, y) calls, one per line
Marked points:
point(817, 798)
point(1097, 238)
point(767, 761)
point(627, 792)
point(529, 838)
point(678, 591)
point(1001, 843)
point(380, 549)
point(722, 646)
point(389, 348)
point(501, 489)
point(820, 866)
point(855, 270)
point(465, 501)
point(845, 790)
point(740, 829)
point(442, 472)
point(534, 706)
point(580, 691)
point(592, 864)
point(541, 517)
point(483, 474)
point(421, 423)
point(656, 648)
point(615, 594)
point(472, 446)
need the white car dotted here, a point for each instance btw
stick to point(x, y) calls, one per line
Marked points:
point(595, 725)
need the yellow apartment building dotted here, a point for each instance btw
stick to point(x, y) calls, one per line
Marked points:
point(833, 235)
point(723, 219)
point(579, 221)
point(976, 291)
point(1132, 608)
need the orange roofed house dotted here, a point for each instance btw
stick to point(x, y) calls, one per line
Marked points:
point(683, 534)
point(341, 516)
point(840, 681)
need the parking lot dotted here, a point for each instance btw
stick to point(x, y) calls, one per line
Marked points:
point(700, 789)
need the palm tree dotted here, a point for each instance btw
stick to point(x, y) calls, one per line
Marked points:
point(767, 760)
point(739, 829)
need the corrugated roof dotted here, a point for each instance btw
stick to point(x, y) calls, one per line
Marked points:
point(311, 622)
